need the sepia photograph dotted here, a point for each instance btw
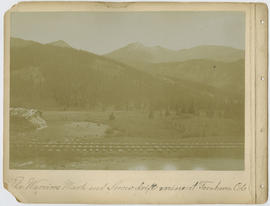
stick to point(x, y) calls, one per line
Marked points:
point(142, 90)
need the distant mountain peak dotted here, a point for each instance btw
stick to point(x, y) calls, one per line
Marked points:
point(140, 47)
point(135, 45)
point(60, 43)
point(158, 47)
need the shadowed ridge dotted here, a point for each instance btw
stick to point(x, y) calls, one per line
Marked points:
point(20, 43)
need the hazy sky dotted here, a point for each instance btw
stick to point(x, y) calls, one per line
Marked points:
point(102, 32)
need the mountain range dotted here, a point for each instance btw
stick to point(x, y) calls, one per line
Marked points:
point(217, 66)
point(137, 52)
point(57, 75)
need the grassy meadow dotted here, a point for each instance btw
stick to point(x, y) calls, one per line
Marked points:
point(126, 127)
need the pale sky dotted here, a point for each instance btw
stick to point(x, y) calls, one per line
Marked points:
point(103, 32)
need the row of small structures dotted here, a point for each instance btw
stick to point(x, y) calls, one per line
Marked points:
point(94, 147)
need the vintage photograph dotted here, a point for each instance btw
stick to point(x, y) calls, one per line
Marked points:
point(142, 90)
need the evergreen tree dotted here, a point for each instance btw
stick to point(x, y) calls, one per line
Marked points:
point(151, 114)
point(112, 117)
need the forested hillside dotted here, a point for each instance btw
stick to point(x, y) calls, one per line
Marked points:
point(58, 76)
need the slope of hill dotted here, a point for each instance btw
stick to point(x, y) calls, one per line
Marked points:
point(227, 76)
point(138, 53)
point(43, 74)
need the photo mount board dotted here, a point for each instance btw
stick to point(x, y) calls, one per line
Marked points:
point(157, 187)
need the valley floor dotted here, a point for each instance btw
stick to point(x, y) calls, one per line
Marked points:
point(128, 140)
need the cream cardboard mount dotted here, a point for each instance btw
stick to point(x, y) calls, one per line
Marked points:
point(41, 172)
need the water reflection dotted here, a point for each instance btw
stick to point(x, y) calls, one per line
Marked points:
point(187, 164)
point(169, 166)
point(139, 167)
point(198, 168)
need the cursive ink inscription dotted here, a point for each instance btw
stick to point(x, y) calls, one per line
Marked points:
point(35, 184)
